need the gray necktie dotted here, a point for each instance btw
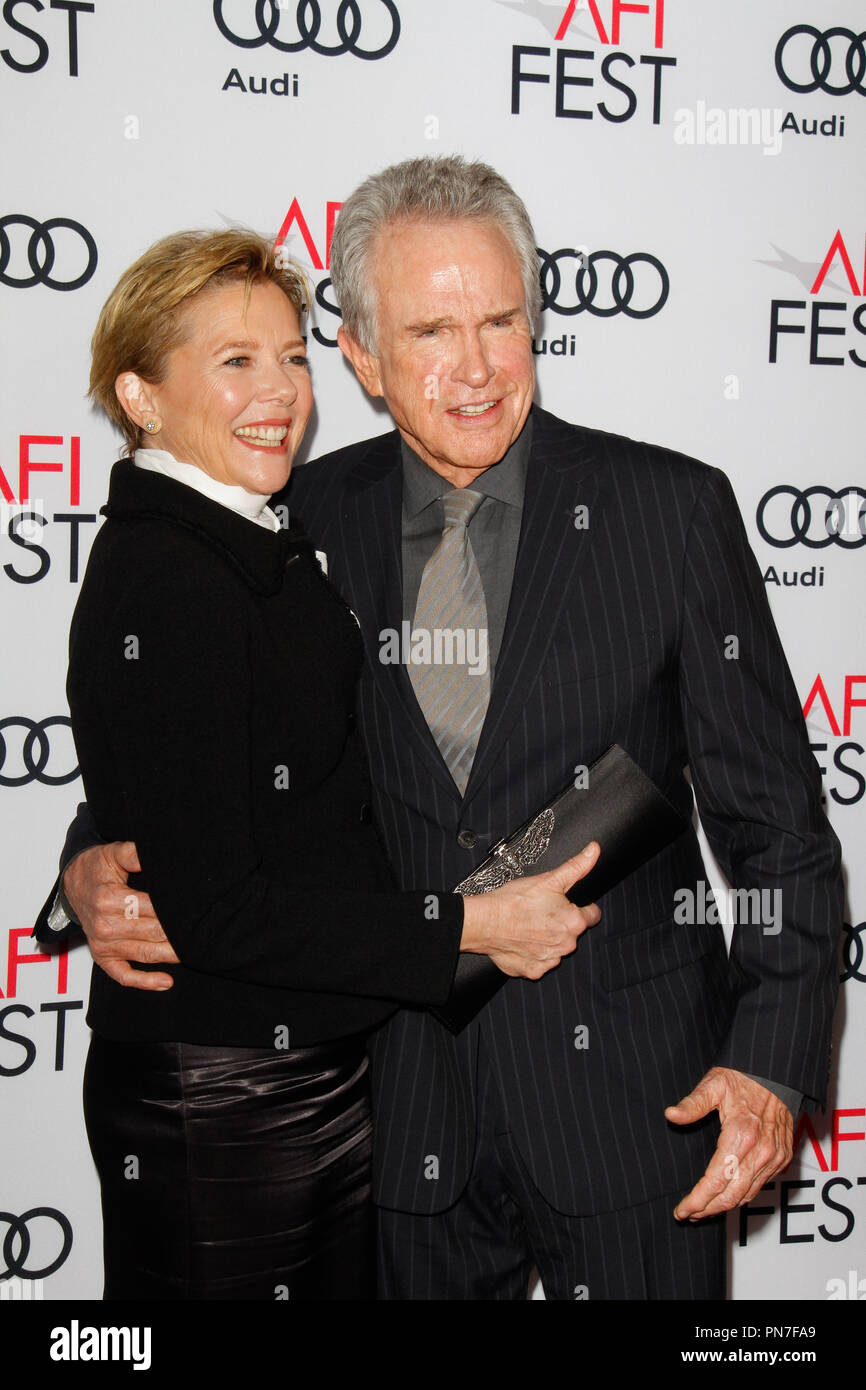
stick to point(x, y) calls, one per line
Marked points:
point(452, 678)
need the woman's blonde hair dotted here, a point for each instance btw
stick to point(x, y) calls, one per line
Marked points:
point(142, 320)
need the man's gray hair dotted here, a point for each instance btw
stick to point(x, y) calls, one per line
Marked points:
point(431, 188)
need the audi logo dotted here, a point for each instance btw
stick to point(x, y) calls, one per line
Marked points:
point(853, 952)
point(841, 521)
point(42, 253)
point(17, 1242)
point(821, 61)
point(304, 30)
point(651, 294)
point(35, 752)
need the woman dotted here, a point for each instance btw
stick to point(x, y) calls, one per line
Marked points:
point(211, 686)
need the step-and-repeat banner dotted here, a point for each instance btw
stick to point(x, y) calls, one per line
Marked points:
point(695, 175)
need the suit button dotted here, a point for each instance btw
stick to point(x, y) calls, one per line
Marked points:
point(366, 813)
point(467, 839)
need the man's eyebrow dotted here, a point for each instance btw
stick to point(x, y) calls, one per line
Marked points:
point(424, 324)
point(503, 314)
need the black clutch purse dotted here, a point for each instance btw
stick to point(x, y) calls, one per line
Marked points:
point(619, 807)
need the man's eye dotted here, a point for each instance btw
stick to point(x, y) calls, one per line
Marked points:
point(299, 361)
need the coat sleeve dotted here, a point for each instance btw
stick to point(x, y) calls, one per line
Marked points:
point(175, 703)
point(758, 790)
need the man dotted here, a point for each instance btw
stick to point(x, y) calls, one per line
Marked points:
point(620, 604)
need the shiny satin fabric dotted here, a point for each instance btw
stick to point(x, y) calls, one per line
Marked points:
point(232, 1173)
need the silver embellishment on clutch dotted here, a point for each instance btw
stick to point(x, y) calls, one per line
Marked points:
point(511, 861)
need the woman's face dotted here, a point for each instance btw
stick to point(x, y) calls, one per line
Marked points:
point(237, 395)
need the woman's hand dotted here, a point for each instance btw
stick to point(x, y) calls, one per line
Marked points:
point(529, 925)
point(120, 925)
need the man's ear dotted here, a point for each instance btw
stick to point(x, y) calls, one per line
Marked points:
point(138, 399)
point(366, 363)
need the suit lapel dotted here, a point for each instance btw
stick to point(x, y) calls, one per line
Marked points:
point(562, 475)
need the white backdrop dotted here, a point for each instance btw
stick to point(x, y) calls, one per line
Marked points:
point(726, 157)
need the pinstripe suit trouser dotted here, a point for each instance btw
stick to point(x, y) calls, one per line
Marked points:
point(485, 1246)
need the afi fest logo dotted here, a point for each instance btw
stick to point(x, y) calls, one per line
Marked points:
point(607, 61)
point(29, 50)
point(829, 713)
point(295, 242)
point(826, 330)
point(820, 64)
point(807, 1210)
point(26, 1033)
point(31, 538)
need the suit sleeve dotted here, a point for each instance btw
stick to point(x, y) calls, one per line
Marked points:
point(758, 791)
point(177, 705)
point(56, 921)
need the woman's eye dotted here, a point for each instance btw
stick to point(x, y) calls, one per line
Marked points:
point(236, 361)
point(299, 361)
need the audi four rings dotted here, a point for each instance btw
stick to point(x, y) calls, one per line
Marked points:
point(42, 241)
point(35, 751)
point(269, 14)
point(15, 1261)
point(586, 283)
point(853, 952)
point(821, 60)
point(839, 527)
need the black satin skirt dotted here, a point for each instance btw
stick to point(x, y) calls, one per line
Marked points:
point(232, 1173)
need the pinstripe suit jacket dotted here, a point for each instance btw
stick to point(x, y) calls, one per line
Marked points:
point(648, 627)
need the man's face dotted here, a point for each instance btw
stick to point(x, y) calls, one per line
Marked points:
point(454, 360)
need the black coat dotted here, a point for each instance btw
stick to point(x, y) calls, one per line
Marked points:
point(212, 679)
point(618, 631)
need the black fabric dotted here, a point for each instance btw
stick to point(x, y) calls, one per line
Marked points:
point(232, 1173)
point(211, 686)
point(617, 632)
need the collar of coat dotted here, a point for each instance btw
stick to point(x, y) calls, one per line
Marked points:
point(260, 556)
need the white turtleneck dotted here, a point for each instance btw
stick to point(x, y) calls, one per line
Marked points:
point(252, 505)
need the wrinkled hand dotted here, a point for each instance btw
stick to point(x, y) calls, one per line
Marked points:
point(527, 926)
point(119, 923)
point(756, 1141)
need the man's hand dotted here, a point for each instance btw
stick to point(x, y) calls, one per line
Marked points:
point(528, 925)
point(756, 1142)
point(120, 925)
